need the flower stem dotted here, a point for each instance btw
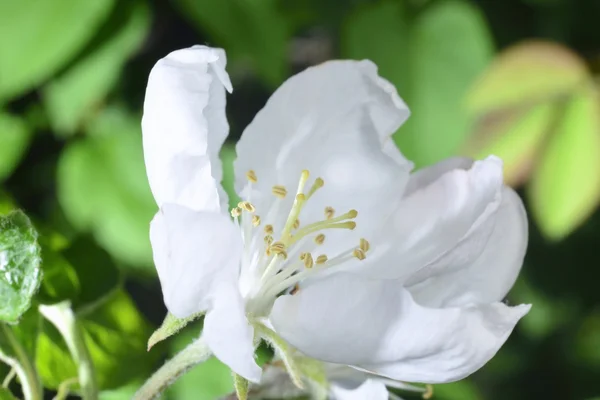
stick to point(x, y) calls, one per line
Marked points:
point(62, 317)
point(22, 365)
point(192, 355)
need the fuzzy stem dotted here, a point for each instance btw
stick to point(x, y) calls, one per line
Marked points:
point(192, 355)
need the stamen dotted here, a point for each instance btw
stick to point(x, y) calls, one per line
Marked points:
point(319, 239)
point(279, 191)
point(279, 249)
point(358, 253)
point(268, 240)
point(319, 182)
point(308, 260)
point(317, 226)
point(251, 175)
point(255, 220)
point(269, 229)
point(296, 223)
point(246, 205)
point(236, 212)
point(364, 245)
point(303, 256)
point(322, 259)
point(329, 212)
point(296, 208)
point(303, 178)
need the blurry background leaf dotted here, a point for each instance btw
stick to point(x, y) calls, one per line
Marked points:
point(461, 390)
point(102, 187)
point(515, 136)
point(565, 186)
point(432, 60)
point(80, 89)
point(254, 32)
point(5, 394)
point(227, 158)
point(20, 272)
point(34, 43)
point(588, 341)
point(115, 334)
point(527, 73)
point(14, 140)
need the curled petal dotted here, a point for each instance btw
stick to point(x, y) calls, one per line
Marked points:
point(489, 277)
point(184, 126)
point(439, 226)
point(376, 326)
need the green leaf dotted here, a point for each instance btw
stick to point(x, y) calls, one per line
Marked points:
point(103, 189)
point(5, 394)
point(432, 60)
point(115, 334)
point(15, 137)
point(450, 47)
point(252, 31)
point(516, 137)
point(74, 94)
point(526, 73)
point(565, 186)
point(20, 272)
point(39, 37)
point(170, 326)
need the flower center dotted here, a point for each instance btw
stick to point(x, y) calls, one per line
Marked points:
point(277, 260)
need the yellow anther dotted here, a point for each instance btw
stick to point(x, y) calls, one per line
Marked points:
point(269, 239)
point(329, 212)
point(255, 220)
point(246, 205)
point(364, 245)
point(296, 223)
point(319, 182)
point(279, 249)
point(358, 253)
point(308, 260)
point(303, 255)
point(236, 212)
point(320, 238)
point(322, 259)
point(269, 229)
point(251, 175)
point(279, 191)
point(428, 392)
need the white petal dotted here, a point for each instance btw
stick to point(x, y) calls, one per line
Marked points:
point(194, 253)
point(229, 335)
point(184, 126)
point(426, 176)
point(489, 277)
point(334, 120)
point(370, 389)
point(376, 326)
point(438, 226)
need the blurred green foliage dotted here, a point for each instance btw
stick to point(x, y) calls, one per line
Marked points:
point(516, 78)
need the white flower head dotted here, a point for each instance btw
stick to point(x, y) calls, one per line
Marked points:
point(335, 245)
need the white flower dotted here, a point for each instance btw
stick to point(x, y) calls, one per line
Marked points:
point(393, 273)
